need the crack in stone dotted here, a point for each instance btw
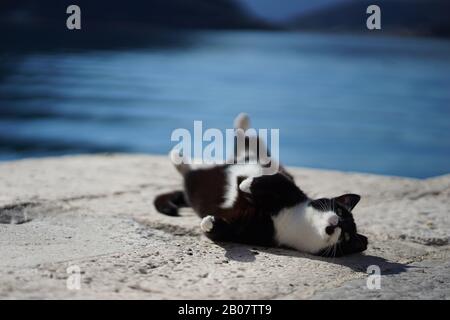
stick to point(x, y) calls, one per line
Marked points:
point(438, 242)
point(425, 194)
point(19, 213)
point(16, 213)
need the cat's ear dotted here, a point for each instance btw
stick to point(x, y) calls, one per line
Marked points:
point(349, 200)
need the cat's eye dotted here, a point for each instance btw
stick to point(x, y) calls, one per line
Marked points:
point(346, 236)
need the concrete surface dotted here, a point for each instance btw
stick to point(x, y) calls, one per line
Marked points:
point(96, 212)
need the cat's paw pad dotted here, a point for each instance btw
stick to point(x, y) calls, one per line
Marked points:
point(207, 223)
point(245, 185)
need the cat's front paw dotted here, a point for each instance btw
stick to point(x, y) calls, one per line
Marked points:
point(245, 185)
point(207, 224)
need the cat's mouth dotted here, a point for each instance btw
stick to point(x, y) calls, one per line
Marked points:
point(334, 236)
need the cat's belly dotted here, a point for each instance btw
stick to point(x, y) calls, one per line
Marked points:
point(215, 190)
point(235, 174)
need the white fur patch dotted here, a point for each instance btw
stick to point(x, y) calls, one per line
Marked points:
point(302, 227)
point(245, 185)
point(232, 173)
point(207, 223)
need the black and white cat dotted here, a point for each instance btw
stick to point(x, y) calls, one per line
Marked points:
point(238, 203)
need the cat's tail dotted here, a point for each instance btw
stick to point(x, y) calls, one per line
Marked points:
point(249, 144)
point(180, 163)
point(242, 121)
point(241, 124)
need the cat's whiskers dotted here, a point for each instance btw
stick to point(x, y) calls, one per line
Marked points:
point(326, 252)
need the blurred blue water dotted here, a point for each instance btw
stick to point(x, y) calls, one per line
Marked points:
point(370, 104)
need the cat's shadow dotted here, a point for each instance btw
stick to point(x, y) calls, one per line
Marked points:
point(357, 262)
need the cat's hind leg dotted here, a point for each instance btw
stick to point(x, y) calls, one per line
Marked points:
point(168, 203)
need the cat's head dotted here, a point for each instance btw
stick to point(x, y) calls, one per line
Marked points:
point(348, 241)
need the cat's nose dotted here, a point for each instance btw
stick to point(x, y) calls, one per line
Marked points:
point(333, 220)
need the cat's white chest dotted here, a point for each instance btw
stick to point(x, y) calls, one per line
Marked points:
point(303, 228)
